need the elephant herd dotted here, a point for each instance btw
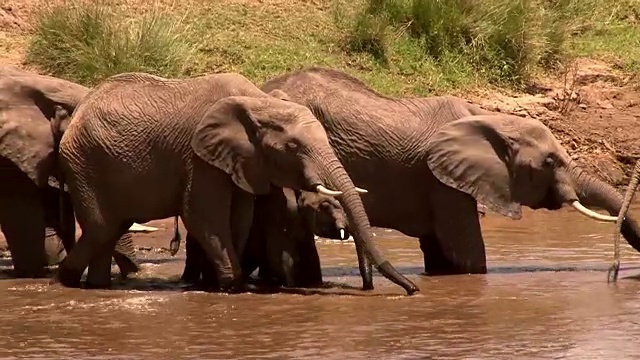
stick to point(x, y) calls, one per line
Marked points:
point(255, 173)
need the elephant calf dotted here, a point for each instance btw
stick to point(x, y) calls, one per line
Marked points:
point(281, 240)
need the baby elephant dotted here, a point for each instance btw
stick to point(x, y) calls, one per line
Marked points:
point(281, 240)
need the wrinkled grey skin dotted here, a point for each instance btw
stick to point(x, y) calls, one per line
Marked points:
point(281, 241)
point(30, 213)
point(141, 147)
point(428, 162)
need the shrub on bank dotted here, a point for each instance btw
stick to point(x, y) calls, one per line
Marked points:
point(502, 41)
point(400, 47)
point(86, 41)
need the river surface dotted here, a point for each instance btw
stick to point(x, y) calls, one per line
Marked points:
point(546, 296)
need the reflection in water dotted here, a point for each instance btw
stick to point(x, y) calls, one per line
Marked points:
point(546, 296)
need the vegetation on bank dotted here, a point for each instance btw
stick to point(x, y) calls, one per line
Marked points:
point(397, 46)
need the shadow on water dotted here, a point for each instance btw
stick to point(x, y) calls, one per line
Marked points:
point(158, 284)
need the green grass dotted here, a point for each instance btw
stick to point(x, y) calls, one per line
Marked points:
point(611, 33)
point(397, 46)
point(86, 42)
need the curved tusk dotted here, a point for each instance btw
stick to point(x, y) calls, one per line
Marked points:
point(142, 228)
point(323, 190)
point(592, 214)
point(361, 190)
point(342, 234)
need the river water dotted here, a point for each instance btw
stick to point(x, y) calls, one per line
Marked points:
point(546, 296)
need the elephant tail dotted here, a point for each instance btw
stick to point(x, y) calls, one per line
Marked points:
point(174, 246)
point(59, 123)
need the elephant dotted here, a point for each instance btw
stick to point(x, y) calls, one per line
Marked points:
point(429, 162)
point(141, 147)
point(39, 228)
point(281, 240)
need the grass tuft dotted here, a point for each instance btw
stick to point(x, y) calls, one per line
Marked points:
point(87, 41)
point(504, 42)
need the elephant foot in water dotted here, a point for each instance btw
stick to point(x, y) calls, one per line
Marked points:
point(67, 277)
point(436, 261)
point(201, 274)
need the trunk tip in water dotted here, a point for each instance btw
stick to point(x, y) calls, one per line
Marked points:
point(391, 273)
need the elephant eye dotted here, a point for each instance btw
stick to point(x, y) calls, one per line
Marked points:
point(549, 160)
point(291, 146)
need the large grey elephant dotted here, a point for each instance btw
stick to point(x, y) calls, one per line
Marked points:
point(142, 147)
point(427, 162)
point(30, 210)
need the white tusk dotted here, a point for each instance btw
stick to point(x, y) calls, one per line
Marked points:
point(592, 214)
point(361, 190)
point(323, 190)
point(141, 228)
point(342, 234)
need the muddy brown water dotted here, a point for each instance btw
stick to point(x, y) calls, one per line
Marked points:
point(545, 296)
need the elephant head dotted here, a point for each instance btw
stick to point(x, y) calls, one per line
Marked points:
point(324, 214)
point(506, 161)
point(264, 141)
point(34, 113)
point(28, 103)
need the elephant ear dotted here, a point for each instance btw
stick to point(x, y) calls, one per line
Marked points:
point(277, 93)
point(473, 155)
point(28, 102)
point(226, 138)
point(26, 140)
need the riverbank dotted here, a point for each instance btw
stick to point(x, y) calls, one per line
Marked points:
point(572, 67)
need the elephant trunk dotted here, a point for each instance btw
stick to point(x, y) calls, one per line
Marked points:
point(332, 172)
point(595, 192)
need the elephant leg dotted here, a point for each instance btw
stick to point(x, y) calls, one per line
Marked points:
point(56, 212)
point(24, 229)
point(310, 274)
point(241, 219)
point(192, 264)
point(256, 256)
point(208, 270)
point(59, 238)
point(125, 255)
point(22, 220)
point(435, 260)
point(207, 217)
point(457, 247)
point(99, 273)
point(55, 251)
point(252, 251)
point(96, 237)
